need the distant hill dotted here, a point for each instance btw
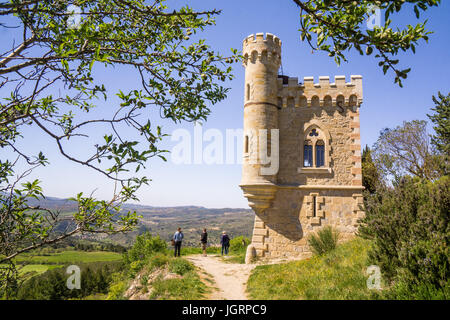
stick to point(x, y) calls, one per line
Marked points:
point(66, 205)
point(52, 203)
point(165, 220)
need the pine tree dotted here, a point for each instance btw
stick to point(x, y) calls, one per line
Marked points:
point(441, 120)
point(370, 176)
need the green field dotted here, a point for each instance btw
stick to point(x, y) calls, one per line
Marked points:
point(66, 257)
point(36, 269)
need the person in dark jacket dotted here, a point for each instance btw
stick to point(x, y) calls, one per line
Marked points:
point(204, 241)
point(225, 242)
point(178, 237)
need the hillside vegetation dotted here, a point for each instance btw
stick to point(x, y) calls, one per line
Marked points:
point(339, 274)
point(152, 273)
point(66, 257)
point(163, 221)
point(51, 285)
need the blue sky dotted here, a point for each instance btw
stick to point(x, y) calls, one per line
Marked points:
point(385, 104)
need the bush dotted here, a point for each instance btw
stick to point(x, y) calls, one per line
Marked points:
point(180, 266)
point(118, 287)
point(158, 260)
point(409, 226)
point(325, 240)
point(239, 244)
point(422, 291)
point(144, 247)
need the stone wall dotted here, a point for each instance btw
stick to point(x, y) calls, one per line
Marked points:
point(298, 200)
point(283, 229)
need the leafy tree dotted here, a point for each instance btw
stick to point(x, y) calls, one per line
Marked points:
point(54, 50)
point(441, 120)
point(144, 247)
point(239, 244)
point(370, 176)
point(404, 150)
point(340, 26)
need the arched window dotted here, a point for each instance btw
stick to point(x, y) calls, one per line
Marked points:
point(340, 103)
point(290, 102)
point(248, 91)
point(315, 101)
point(320, 154)
point(303, 101)
point(353, 100)
point(327, 101)
point(315, 151)
point(307, 154)
point(314, 148)
point(254, 56)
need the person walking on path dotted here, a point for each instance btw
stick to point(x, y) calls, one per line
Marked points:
point(225, 242)
point(178, 237)
point(204, 241)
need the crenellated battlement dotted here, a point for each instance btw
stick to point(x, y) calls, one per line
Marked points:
point(262, 48)
point(269, 39)
point(324, 93)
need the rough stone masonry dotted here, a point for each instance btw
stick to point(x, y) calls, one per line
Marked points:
point(318, 181)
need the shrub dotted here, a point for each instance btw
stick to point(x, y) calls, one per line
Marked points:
point(135, 267)
point(180, 266)
point(239, 244)
point(144, 247)
point(118, 287)
point(409, 226)
point(325, 240)
point(158, 260)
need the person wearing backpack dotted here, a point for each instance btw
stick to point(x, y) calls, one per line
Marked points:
point(178, 238)
point(204, 241)
point(225, 242)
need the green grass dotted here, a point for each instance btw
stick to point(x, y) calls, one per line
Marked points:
point(189, 287)
point(235, 257)
point(31, 270)
point(180, 266)
point(340, 274)
point(185, 251)
point(36, 269)
point(96, 296)
point(69, 256)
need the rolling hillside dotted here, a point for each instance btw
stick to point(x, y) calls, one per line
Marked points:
point(165, 220)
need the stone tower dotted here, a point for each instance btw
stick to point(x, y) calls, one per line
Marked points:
point(302, 154)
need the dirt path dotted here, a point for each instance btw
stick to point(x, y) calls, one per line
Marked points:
point(230, 278)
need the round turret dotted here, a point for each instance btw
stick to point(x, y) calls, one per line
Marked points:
point(262, 59)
